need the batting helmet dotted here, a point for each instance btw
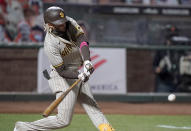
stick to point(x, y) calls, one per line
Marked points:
point(55, 16)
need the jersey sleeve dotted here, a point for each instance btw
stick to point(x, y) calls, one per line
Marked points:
point(76, 32)
point(80, 38)
point(74, 29)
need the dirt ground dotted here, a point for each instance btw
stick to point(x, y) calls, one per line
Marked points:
point(106, 107)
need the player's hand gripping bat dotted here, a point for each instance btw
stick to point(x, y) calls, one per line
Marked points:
point(56, 102)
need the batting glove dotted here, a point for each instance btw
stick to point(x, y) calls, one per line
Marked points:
point(88, 67)
point(83, 77)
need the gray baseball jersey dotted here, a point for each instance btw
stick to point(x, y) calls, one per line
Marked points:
point(65, 53)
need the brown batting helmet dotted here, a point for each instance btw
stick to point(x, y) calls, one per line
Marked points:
point(55, 16)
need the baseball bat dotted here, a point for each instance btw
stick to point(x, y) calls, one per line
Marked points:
point(56, 102)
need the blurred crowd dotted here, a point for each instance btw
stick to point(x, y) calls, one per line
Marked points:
point(21, 21)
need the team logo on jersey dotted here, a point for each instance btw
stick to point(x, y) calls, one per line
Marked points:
point(61, 14)
point(67, 50)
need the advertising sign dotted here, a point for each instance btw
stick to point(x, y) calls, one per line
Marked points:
point(109, 76)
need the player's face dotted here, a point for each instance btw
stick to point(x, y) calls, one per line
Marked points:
point(61, 27)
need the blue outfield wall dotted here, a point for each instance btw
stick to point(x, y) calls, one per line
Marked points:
point(130, 97)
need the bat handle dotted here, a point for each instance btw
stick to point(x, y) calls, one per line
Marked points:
point(56, 102)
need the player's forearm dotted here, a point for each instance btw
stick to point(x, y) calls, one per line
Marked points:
point(85, 51)
point(84, 47)
point(69, 74)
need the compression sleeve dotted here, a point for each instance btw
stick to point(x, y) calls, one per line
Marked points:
point(84, 48)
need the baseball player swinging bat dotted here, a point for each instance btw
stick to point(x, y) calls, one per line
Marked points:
point(56, 102)
point(67, 48)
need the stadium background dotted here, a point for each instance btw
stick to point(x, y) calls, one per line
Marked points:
point(111, 25)
point(106, 28)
